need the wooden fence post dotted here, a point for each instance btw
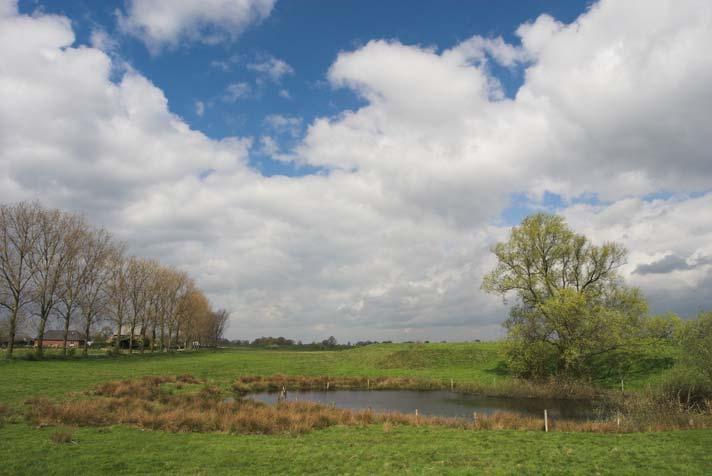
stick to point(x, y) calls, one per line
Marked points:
point(452, 385)
point(546, 421)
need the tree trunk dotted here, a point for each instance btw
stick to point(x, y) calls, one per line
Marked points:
point(131, 336)
point(143, 338)
point(13, 331)
point(153, 339)
point(40, 336)
point(86, 336)
point(118, 335)
point(66, 334)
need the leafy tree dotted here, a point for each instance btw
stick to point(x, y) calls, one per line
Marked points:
point(572, 306)
point(697, 344)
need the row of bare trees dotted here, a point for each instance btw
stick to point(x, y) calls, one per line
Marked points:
point(57, 268)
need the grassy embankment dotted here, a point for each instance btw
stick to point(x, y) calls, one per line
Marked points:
point(339, 449)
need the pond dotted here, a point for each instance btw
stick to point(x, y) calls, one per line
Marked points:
point(439, 403)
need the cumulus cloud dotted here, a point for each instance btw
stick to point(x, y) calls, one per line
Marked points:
point(392, 240)
point(166, 23)
point(669, 245)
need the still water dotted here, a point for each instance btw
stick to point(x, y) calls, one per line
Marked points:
point(439, 403)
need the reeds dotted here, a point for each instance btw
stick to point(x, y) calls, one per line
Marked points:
point(552, 389)
point(150, 403)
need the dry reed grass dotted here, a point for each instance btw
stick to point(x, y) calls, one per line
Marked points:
point(552, 389)
point(147, 403)
point(61, 437)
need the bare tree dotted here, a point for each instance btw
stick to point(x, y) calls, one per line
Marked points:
point(70, 286)
point(118, 294)
point(176, 285)
point(137, 280)
point(55, 264)
point(54, 249)
point(219, 321)
point(18, 236)
point(99, 252)
point(151, 301)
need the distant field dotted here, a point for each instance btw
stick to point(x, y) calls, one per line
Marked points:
point(338, 450)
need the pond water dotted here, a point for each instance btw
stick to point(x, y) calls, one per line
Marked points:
point(440, 403)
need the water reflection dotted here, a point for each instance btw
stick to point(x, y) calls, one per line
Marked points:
point(440, 403)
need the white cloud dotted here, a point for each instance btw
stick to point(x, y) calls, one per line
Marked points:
point(669, 241)
point(225, 64)
point(199, 108)
point(236, 91)
point(161, 23)
point(394, 236)
point(269, 146)
point(271, 68)
point(284, 124)
point(101, 40)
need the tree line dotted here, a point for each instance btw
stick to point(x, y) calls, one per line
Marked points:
point(55, 267)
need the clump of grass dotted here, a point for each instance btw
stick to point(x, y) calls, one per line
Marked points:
point(61, 437)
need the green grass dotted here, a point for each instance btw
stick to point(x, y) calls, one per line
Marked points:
point(339, 450)
point(54, 378)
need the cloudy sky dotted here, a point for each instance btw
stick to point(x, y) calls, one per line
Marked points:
point(342, 168)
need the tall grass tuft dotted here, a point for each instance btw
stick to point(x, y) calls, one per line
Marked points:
point(61, 437)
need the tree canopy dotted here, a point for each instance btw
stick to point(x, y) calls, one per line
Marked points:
point(572, 306)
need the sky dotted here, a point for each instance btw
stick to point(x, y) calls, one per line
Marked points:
point(343, 168)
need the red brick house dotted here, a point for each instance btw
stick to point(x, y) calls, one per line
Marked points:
point(56, 339)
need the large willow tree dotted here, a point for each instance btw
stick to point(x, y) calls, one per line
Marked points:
point(571, 305)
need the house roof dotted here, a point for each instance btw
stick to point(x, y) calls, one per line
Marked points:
point(59, 335)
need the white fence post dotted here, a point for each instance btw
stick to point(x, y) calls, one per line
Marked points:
point(546, 421)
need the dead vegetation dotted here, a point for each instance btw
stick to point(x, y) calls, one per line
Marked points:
point(553, 389)
point(153, 403)
point(61, 437)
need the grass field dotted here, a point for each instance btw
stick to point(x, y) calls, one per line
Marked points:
point(56, 377)
point(337, 450)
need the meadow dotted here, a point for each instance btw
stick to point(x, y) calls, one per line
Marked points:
point(375, 447)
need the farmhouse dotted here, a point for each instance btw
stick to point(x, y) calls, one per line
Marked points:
point(55, 338)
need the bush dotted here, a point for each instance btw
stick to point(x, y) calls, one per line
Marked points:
point(697, 344)
point(687, 389)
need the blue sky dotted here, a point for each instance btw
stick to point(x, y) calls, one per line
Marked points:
point(307, 35)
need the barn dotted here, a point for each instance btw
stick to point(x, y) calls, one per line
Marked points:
point(55, 338)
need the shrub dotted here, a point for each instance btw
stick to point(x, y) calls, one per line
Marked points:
point(697, 344)
point(687, 389)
